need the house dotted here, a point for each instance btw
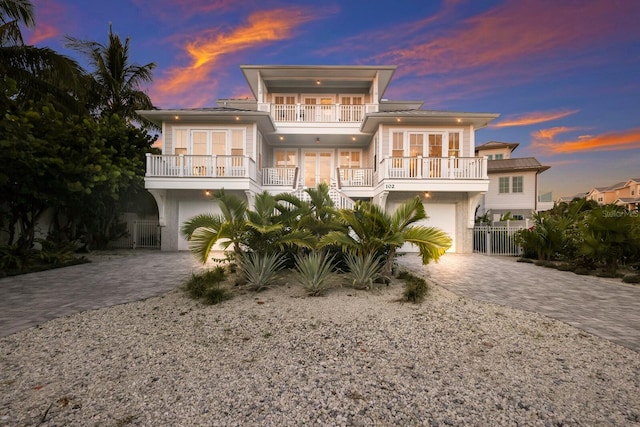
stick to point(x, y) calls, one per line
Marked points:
point(319, 124)
point(623, 193)
point(513, 183)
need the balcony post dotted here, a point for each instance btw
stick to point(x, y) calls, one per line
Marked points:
point(148, 161)
point(182, 165)
point(214, 168)
point(484, 168)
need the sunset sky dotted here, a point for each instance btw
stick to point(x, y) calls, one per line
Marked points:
point(563, 74)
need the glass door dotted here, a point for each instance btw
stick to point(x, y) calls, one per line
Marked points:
point(317, 168)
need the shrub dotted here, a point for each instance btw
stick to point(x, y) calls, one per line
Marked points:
point(314, 272)
point(415, 288)
point(631, 278)
point(565, 267)
point(363, 271)
point(260, 270)
point(206, 285)
point(583, 271)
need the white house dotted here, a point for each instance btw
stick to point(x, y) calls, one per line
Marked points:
point(314, 124)
point(513, 182)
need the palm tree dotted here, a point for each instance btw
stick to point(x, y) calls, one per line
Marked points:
point(39, 73)
point(116, 81)
point(374, 231)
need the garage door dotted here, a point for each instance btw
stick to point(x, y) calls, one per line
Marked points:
point(442, 216)
point(190, 208)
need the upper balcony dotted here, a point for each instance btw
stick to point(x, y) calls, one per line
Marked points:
point(318, 113)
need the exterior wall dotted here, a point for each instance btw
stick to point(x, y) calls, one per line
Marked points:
point(466, 142)
point(504, 202)
point(169, 131)
point(506, 152)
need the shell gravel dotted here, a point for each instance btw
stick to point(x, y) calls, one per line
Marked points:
point(280, 358)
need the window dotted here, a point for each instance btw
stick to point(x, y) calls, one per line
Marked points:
point(454, 145)
point(498, 157)
point(285, 158)
point(503, 184)
point(180, 143)
point(349, 159)
point(490, 157)
point(516, 185)
point(397, 151)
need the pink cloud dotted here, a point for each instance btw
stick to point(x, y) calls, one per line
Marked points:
point(50, 17)
point(528, 119)
point(183, 10)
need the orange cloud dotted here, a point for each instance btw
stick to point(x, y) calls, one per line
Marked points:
point(545, 139)
point(532, 118)
point(206, 50)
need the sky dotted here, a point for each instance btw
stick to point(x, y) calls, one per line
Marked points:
point(564, 75)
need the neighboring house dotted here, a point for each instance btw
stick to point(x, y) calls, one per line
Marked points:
point(623, 193)
point(513, 183)
point(319, 124)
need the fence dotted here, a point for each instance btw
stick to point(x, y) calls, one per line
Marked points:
point(140, 234)
point(496, 240)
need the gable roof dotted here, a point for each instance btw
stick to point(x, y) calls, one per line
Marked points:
point(512, 165)
point(492, 145)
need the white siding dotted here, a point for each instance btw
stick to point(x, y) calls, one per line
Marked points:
point(511, 201)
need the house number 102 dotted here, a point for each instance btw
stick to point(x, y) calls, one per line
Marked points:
point(389, 186)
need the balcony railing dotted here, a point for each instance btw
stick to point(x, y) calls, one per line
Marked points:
point(319, 112)
point(200, 166)
point(434, 168)
point(286, 176)
point(355, 177)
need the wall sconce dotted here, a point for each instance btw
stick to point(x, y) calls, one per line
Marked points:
point(207, 193)
point(426, 195)
point(317, 140)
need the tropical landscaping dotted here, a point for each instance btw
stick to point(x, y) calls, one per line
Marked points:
point(72, 147)
point(318, 245)
point(586, 238)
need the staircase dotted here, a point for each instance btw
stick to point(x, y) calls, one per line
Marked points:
point(338, 198)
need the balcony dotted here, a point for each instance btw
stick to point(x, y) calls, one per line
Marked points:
point(318, 113)
point(200, 166)
point(425, 168)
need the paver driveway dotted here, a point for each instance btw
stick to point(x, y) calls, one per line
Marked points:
point(608, 308)
point(605, 307)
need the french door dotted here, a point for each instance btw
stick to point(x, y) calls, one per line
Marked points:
point(317, 167)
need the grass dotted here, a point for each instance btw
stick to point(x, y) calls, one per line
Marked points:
point(208, 286)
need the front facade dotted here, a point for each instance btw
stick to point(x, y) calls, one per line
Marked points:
point(319, 124)
point(513, 183)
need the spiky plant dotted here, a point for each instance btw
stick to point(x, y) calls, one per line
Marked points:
point(363, 270)
point(260, 270)
point(314, 272)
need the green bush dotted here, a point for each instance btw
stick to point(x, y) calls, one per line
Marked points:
point(416, 288)
point(207, 285)
point(260, 270)
point(363, 272)
point(631, 278)
point(314, 272)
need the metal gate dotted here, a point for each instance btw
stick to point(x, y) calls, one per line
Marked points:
point(496, 240)
point(140, 234)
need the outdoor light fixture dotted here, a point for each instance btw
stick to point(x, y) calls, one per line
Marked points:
point(207, 192)
point(427, 195)
point(317, 140)
point(317, 82)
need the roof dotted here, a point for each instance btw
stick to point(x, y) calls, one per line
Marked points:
point(521, 164)
point(210, 115)
point(372, 121)
point(318, 78)
point(491, 145)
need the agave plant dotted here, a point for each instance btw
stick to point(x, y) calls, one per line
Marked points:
point(260, 270)
point(363, 270)
point(314, 272)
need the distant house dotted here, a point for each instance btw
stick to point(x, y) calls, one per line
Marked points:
point(324, 124)
point(513, 183)
point(623, 193)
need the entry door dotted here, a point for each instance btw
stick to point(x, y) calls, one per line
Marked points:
point(317, 168)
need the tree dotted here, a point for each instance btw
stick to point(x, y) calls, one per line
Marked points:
point(371, 230)
point(40, 73)
point(116, 82)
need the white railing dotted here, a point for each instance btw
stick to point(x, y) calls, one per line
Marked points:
point(496, 240)
point(340, 201)
point(319, 112)
point(279, 176)
point(355, 177)
point(200, 166)
point(435, 167)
